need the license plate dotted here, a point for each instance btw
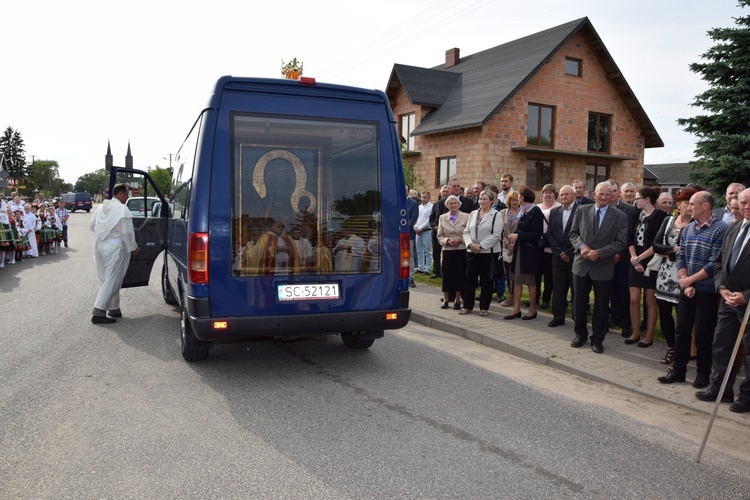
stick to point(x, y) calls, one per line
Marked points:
point(327, 291)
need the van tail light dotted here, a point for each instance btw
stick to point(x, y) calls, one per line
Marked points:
point(198, 258)
point(405, 246)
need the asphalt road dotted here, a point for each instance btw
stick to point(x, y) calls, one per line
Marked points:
point(113, 411)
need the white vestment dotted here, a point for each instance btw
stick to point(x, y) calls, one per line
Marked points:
point(114, 239)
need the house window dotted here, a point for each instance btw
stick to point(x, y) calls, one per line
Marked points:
point(538, 173)
point(573, 66)
point(407, 127)
point(539, 129)
point(598, 137)
point(594, 175)
point(446, 170)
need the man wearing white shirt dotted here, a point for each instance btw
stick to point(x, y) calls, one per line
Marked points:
point(423, 233)
point(725, 214)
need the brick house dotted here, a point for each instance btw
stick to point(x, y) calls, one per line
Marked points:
point(549, 107)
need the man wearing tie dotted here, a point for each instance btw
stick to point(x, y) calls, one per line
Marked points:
point(597, 234)
point(733, 284)
point(558, 231)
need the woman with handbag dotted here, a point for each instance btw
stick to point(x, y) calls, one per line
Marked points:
point(525, 264)
point(482, 239)
point(510, 223)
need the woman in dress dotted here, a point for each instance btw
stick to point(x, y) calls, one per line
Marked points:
point(510, 223)
point(7, 249)
point(642, 238)
point(482, 237)
point(549, 201)
point(666, 245)
point(450, 234)
point(525, 263)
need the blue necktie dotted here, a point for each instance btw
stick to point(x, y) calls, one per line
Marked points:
point(597, 219)
point(738, 246)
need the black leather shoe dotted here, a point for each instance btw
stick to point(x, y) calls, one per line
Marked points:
point(556, 322)
point(102, 320)
point(711, 395)
point(597, 348)
point(545, 305)
point(671, 377)
point(444, 305)
point(115, 314)
point(578, 341)
point(701, 381)
point(457, 305)
point(740, 406)
point(627, 331)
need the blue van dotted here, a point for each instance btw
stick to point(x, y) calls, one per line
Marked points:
point(286, 217)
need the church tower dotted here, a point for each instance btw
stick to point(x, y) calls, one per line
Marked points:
point(128, 158)
point(108, 162)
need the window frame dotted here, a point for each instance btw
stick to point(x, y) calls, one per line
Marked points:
point(539, 118)
point(450, 174)
point(597, 139)
point(409, 143)
point(537, 165)
point(579, 62)
point(593, 178)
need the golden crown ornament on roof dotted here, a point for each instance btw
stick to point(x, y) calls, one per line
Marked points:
point(291, 70)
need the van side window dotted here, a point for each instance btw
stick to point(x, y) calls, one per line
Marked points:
point(306, 196)
point(179, 201)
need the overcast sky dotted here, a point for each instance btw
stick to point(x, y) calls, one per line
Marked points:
point(77, 74)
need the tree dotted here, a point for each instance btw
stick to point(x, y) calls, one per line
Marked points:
point(723, 147)
point(94, 182)
point(42, 175)
point(11, 146)
point(162, 178)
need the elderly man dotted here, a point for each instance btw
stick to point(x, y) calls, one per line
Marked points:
point(558, 235)
point(627, 193)
point(665, 202)
point(725, 214)
point(598, 233)
point(700, 244)
point(114, 240)
point(733, 284)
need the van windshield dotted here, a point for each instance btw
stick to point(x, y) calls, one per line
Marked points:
point(306, 196)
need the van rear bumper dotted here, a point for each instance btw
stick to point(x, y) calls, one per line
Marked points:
point(299, 325)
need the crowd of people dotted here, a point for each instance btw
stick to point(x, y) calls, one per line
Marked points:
point(646, 256)
point(29, 229)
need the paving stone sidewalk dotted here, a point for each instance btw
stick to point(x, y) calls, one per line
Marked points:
point(626, 366)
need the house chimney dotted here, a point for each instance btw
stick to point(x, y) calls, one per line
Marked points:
point(452, 57)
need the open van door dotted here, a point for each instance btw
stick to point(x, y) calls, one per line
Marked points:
point(150, 228)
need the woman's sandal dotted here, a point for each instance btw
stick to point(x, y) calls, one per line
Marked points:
point(668, 357)
point(464, 311)
point(483, 313)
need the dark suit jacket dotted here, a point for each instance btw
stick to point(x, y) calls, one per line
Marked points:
point(439, 208)
point(412, 214)
point(608, 240)
point(558, 236)
point(739, 279)
point(632, 214)
point(719, 212)
point(584, 201)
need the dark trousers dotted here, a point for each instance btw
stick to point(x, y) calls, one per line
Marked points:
point(563, 276)
point(619, 310)
point(599, 325)
point(699, 311)
point(727, 329)
point(65, 234)
point(666, 320)
point(478, 271)
point(545, 261)
point(436, 254)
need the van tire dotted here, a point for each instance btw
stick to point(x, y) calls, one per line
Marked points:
point(356, 340)
point(192, 348)
point(166, 290)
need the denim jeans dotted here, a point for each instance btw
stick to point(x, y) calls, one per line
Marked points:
point(424, 251)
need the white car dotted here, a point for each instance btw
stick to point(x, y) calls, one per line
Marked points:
point(141, 206)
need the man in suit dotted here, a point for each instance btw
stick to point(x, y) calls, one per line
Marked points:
point(725, 214)
point(558, 229)
point(412, 214)
point(627, 193)
point(733, 284)
point(619, 300)
point(597, 234)
point(437, 250)
point(580, 189)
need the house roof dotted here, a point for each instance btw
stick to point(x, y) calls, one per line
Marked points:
point(469, 93)
point(670, 173)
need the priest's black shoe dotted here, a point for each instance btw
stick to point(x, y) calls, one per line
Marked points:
point(597, 348)
point(701, 381)
point(578, 341)
point(740, 406)
point(711, 395)
point(671, 377)
point(101, 320)
point(556, 322)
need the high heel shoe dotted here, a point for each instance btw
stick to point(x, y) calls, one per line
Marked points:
point(527, 317)
point(513, 316)
point(668, 357)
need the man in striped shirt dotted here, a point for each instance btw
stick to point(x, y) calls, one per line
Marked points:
point(700, 245)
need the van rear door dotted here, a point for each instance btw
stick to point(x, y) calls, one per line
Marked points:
point(150, 229)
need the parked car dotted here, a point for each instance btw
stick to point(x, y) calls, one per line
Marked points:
point(141, 206)
point(77, 201)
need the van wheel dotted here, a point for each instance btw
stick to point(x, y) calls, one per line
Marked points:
point(166, 290)
point(356, 340)
point(192, 348)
